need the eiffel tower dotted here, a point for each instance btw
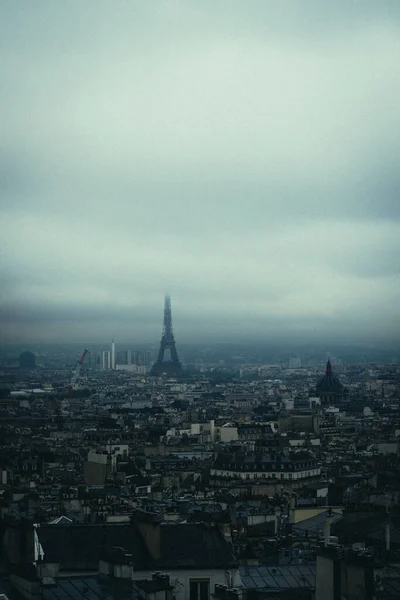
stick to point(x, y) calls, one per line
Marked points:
point(171, 367)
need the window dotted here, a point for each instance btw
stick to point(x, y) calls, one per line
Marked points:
point(199, 589)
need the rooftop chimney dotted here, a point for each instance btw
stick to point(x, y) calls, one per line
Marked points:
point(387, 537)
point(327, 528)
point(149, 527)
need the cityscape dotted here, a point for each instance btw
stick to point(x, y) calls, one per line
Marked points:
point(199, 300)
point(138, 474)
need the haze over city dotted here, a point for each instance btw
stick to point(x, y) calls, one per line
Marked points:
point(241, 156)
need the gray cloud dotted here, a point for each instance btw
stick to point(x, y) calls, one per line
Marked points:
point(243, 156)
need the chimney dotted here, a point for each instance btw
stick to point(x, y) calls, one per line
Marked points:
point(387, 537)
point(26, 582)
point(116, 562)
point(232, 514)
point(161, 577)
point(327, 528)
point(19, 542)
point(149, 527)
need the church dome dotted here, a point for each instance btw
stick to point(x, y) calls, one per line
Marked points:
point(329, 383)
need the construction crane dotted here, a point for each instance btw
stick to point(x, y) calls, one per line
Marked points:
point(75, 374)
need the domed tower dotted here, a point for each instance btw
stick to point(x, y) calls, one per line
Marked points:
point(27, 360)
point(329, 389)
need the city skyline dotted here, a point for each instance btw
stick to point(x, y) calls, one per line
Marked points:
point(244, 157)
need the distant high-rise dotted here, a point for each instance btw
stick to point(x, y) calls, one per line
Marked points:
point(122, 357)
point(294, 363)
point(141, 358)
point(146, 358)
point(113, 354)
point(106, 360)
point(171, 366)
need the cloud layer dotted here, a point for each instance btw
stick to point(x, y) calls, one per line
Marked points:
point(242, 156)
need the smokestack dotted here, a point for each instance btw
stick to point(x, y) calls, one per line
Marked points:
point(113, 354)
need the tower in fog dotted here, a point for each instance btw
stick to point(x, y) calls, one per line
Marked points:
point(165, 365)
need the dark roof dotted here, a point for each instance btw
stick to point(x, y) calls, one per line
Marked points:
point(316, 524)
point(76, 588)
point(329, 383)
point(391, 582)
point(79, 546)
point(277, 578)
point(368, 526)
point(194, 545)
point(266, 462)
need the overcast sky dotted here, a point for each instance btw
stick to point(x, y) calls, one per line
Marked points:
point(243, 156)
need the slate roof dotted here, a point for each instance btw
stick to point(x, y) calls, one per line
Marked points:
point(278, 578)
point(391, 583)
point(302, 576)
point(76, 588)
point(268, 578)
